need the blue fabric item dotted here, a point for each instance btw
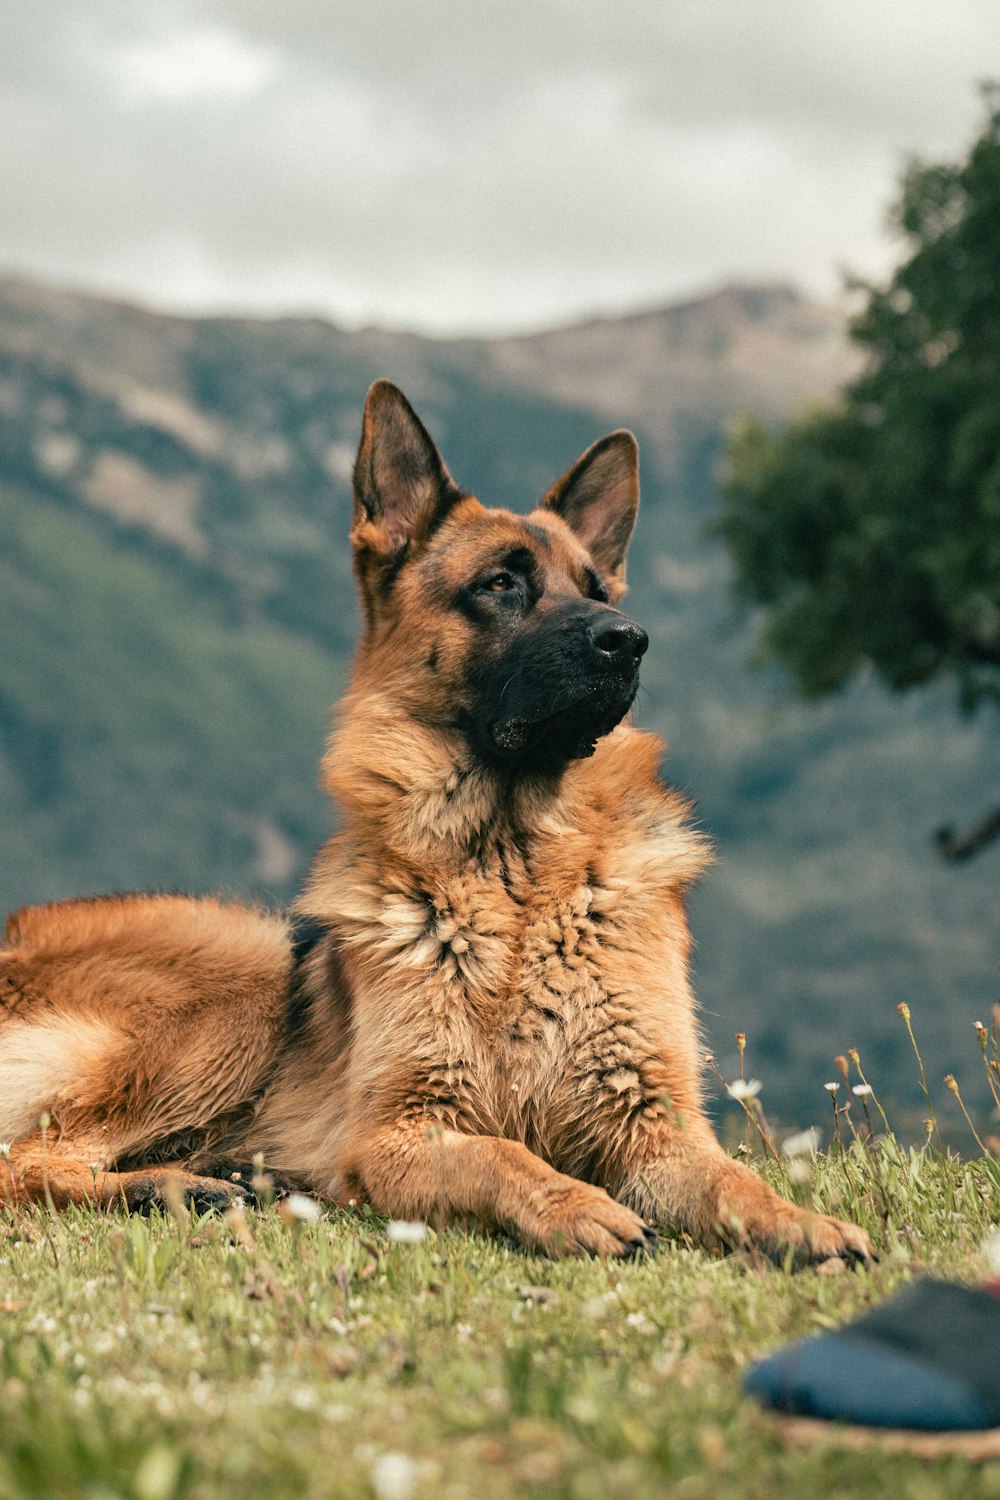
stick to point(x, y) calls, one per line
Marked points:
point(849, 1379)
point(927, 1358)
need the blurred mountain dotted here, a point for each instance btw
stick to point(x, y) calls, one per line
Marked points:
point(177, 614)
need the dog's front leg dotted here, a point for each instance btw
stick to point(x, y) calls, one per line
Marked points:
point(417, 1169)
point(673, 1171)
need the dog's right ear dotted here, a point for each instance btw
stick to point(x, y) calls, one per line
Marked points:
point(402, 489)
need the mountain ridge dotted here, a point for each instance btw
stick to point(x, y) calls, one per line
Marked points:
point(178, 602)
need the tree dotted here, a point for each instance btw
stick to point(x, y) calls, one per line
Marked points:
point(869, 533)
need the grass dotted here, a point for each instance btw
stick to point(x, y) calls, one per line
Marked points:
point(262, 1355)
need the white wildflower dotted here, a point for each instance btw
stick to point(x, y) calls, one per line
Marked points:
point(406, 1232)
point(805, 1143)
point(541, 1296)
point(394, 1476)
point(640, 1322)
point(862, 1090)
point(831, 1088)
point(4, 1149)
point(800, 1170)
point(298, 1206)
point(744, 1088)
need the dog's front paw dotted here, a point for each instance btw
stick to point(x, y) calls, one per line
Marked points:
point(807, 1237)
point(573, 1218)
point(825, 1237)
point(752, 1216)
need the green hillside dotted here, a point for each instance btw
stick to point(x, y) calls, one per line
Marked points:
point(148, 737)
point(177, 614)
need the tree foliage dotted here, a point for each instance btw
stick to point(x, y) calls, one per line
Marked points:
point(869, 533)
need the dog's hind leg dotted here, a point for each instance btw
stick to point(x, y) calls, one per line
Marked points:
point(145, 1028)
point(60, 1173)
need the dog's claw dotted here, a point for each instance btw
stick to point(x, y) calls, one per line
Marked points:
point(642, 1243)
point(856, 1258)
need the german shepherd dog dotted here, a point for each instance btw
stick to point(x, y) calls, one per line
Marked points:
point(481, 1011)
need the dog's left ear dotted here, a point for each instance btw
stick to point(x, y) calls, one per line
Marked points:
point(598, 499)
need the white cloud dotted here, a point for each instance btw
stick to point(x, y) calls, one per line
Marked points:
point(199, 63)
point(443, 165)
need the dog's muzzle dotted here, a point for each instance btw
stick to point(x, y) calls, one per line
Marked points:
point(569, 688)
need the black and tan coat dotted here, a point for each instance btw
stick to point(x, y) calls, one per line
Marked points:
point(492, 1020)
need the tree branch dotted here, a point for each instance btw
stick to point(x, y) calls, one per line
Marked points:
point(956, 847)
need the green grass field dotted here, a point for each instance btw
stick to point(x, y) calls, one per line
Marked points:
point(176, 1356)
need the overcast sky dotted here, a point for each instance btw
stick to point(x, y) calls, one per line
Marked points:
point(455, 165)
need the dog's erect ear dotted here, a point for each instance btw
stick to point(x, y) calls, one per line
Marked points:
point(598, 499)
point(401, 486)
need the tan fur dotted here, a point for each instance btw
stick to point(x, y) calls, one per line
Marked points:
point(498, 1024)
point(129, 1020)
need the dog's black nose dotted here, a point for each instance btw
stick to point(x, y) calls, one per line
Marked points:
point(619, 637)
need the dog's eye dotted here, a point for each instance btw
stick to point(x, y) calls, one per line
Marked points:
point(499, 583)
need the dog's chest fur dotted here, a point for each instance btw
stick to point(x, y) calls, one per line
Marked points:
point(511, 967)
point(540, 1029)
